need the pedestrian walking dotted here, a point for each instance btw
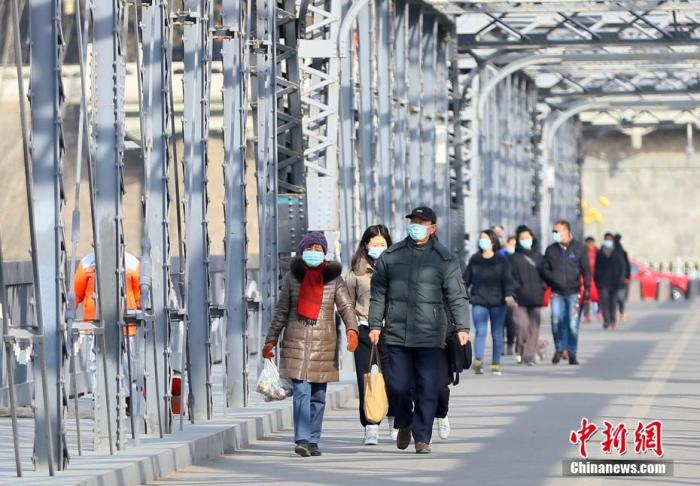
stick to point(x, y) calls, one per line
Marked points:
point(610, 273)
point(623, 291)
point(565, 265)
point(591, 308)
point(311, 292)
point(510, 328)
point(415, 286)
point(375, 240)
point(491, 289)
point(526, 268)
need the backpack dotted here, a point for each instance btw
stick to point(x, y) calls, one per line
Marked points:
point(459, 358)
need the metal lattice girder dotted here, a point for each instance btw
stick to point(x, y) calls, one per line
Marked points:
point(457, 7)
point(197, 61)
point(366, 135)
point(155, 252)
point(46, 149)
point(427, 122)
point(566, 190)
point(384, 121)
point(631, 27)
point(233, 53)
point(108, 188)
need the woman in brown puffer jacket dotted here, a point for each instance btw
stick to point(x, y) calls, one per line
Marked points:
point(311, 291)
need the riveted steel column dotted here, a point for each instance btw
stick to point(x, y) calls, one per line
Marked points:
point(235, 242)
point(400, 116)
point(386, 177)
point(195, 129)
point(365, 129)
point(108, 140)
point(156, 242)
point(46, 150)
point(427, 120)
point(415, 32)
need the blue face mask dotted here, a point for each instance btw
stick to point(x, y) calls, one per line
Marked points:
point(510, 250)
point(375, 251)
point(609, 244)
point(556, 237)
point(485, 244)
point(417, 232)
point(313, 258)
point(526, 244)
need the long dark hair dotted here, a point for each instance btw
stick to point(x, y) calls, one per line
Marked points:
point(371, 232)
point(496, 245)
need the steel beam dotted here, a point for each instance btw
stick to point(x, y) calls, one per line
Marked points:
point(365, 128)
point(415, 71)
point(400, 117)
point(233, 53)
point(195, 130)
point(155, 249)
point(383, 153)
point(108, 140)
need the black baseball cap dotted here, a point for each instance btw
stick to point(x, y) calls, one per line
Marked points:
point(423, 212)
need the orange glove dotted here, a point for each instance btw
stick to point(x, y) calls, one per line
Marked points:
point(353, 340)
point(267, 350)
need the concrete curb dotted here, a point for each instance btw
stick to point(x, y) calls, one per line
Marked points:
point(155, 458)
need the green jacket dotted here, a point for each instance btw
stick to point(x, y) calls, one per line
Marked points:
point(414, 289)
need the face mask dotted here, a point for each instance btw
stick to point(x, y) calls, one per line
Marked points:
point(313, 258)
point(375, 251)
point(556, 237)
point(510, 250)
point(485, 244)
point(526, 244)
point(608, 244)
point(417, 232)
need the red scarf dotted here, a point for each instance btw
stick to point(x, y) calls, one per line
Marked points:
point(311, 292)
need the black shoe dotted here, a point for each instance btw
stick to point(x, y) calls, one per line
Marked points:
point(302, 448)
point(556, 358)
point(572, 359)
point(404, 438)
point(314, 450)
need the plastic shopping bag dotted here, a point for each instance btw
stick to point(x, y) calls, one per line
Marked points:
point(271, 385)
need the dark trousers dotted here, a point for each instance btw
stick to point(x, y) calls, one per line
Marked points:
point(621, 297)
point(362, 355)
point(444, 391)
point(608, 305)
point(511, 330)
point(414, 385)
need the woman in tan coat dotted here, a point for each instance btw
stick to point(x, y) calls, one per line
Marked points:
point(311, 291)
point(374, 241)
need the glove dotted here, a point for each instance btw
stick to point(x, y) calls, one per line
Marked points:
point(510, 302)
point(267, 349)
point(353, 340)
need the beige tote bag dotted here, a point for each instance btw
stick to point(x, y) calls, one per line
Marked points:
point(376, 400)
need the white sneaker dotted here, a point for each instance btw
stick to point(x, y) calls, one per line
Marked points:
point(518, 358)
point(394, 432)
point(443, 427)
point(372, 435)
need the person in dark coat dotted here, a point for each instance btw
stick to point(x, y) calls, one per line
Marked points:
point(416, 283)
point(490, 285)
point(623, 292)
point(565, 264)
point(610, 273)
point(526, 268)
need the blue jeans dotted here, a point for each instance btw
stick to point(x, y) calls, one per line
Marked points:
point(309, 405)
point(481, 316)
point(565, 322)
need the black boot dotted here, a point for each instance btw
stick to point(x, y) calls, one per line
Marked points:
point(557, 357)
point(302, 448)
point(572, 359)
point(314, 450)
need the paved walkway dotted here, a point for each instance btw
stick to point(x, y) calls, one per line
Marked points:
point(514, 429)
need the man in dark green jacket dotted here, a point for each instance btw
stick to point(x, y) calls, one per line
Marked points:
point(417, 288)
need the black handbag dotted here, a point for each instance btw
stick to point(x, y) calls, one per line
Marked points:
point(459, 358)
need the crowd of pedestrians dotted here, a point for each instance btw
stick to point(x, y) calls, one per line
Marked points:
point(408, 299)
